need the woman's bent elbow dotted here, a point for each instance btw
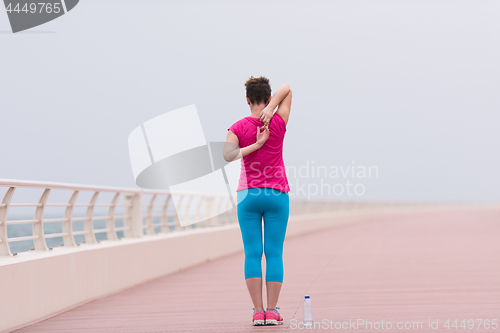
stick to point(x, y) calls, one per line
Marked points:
point(230, 156)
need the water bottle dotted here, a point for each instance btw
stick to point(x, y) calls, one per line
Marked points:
point(308, 311)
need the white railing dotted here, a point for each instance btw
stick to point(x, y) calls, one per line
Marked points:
point(139, 210)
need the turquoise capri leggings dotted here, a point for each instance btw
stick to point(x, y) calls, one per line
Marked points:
point(254, 204)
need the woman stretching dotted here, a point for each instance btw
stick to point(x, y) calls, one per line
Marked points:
point(262, 191)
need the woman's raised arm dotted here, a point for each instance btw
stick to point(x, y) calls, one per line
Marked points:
point(283, 98)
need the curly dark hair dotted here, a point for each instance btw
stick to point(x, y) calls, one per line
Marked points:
point(258, 89)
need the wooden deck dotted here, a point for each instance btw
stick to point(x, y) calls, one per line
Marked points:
point(416, 268)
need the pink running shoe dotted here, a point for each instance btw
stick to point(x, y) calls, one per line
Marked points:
point(259, 318)
point(273, 317)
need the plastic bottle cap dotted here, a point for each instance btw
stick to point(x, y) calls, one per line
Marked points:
point(307, 297)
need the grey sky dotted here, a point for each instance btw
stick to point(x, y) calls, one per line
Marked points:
point(408, 86)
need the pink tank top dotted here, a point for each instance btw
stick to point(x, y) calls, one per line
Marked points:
point(264, 167)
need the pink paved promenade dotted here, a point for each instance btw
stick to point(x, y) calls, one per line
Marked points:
point(414, 268)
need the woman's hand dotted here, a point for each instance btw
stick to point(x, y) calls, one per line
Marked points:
point(265, 115)
point(262, 136)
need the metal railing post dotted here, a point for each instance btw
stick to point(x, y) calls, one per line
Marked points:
point(110, 222)
point(187, 212)
point(177, 225)
point(39, 242)
point(67, 225)
point(150, 230)
point(88, 224)
point(4, 211)
point(199, 212)
point(164, 215)
point(133, 217)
